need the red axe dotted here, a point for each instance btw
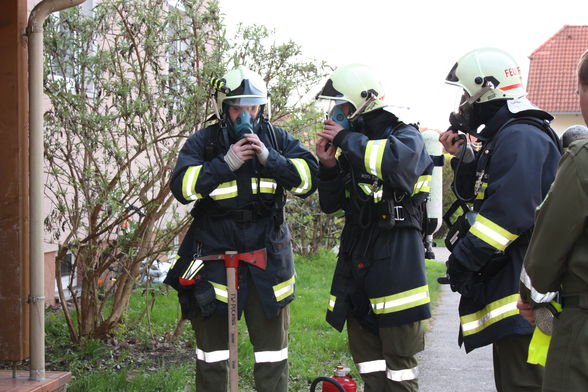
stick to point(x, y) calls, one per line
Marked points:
point(257, 258)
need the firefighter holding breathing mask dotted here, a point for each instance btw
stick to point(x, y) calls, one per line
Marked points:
point(237, 171)
point(379, 182)
point(503, 183)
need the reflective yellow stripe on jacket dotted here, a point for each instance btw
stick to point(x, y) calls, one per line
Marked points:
point(189, 183)
point(332, 300)
point(374, 152)
point(367, 189)
point(305, 180)
point(423, 184)
point(266, 185)
point(491, 233)
point(226, 190)
point(401, 301)
point(492, 313)
point(221, 292)
point(284, 289)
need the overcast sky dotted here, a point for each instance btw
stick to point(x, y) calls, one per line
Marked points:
point(412, 44)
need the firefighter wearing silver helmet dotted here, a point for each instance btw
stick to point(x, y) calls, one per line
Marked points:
point(505, 182)
point(237, 172)
point(378, 181)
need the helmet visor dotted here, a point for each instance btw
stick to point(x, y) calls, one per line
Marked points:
point(247, 94)
point(452, 75)
point(246, 101)
point(330, 106)
point(330, 92)
point(252, 109)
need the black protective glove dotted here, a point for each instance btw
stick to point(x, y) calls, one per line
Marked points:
point(204, 296)
point(460, 278)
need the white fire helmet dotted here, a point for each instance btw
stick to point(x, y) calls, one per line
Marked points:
point(487, 74)
point(242, 87)
point(356, 84)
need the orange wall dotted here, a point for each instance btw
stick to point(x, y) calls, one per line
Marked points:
point(13, 172)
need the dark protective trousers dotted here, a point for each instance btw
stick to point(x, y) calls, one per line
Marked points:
point(566, 369)
point(386, 362)
point(512, 372)
point(270, 345)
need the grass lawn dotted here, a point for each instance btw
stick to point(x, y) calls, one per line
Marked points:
point(141, 358)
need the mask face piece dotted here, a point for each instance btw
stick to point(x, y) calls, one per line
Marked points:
point(462, 119)
point(338, 115)
point(241, 120)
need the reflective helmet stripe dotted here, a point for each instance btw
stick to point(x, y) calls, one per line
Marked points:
point(511, 87)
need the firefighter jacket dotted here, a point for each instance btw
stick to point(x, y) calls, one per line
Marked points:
point(379, 184)
point(240, 211)
point(510, 177)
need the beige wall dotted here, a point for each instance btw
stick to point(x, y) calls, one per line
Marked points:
point(563, 121)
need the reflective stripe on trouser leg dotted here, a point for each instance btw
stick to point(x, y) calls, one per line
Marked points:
point(212, 352)
point(386, 362)
point(270, 344)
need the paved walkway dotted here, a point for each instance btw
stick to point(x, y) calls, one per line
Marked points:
point(444, 366)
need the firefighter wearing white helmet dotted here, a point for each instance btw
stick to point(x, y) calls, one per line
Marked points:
point(237, 172)
point(378, 182)
point(505, 182)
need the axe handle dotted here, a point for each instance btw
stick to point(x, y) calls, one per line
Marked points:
point(233, 330)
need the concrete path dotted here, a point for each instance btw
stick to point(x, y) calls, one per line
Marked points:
point(443, 365)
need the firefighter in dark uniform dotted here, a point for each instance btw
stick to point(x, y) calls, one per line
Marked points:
point(379, 182)
point(557, 261)
point(509, 177)
point(237, 171)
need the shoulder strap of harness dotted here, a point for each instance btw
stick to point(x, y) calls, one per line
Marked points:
point(541, 124)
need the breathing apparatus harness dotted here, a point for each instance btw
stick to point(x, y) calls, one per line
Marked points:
point(394, 210)
point(206, 207)
point(460, 225)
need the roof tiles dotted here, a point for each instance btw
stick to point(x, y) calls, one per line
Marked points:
point(552, 80)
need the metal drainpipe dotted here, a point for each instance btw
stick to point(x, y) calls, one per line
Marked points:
point(36, 184)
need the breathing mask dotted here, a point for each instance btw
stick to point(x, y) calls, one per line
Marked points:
point(462, 120)
point(338, 115)
point(242, 120)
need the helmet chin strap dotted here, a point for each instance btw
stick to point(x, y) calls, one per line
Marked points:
point(215, 106)
point(370, 96)
point(488, 85)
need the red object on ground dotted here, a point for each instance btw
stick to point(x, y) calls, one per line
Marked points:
point(342, 377)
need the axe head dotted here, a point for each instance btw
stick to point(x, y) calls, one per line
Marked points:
point(257, 258)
